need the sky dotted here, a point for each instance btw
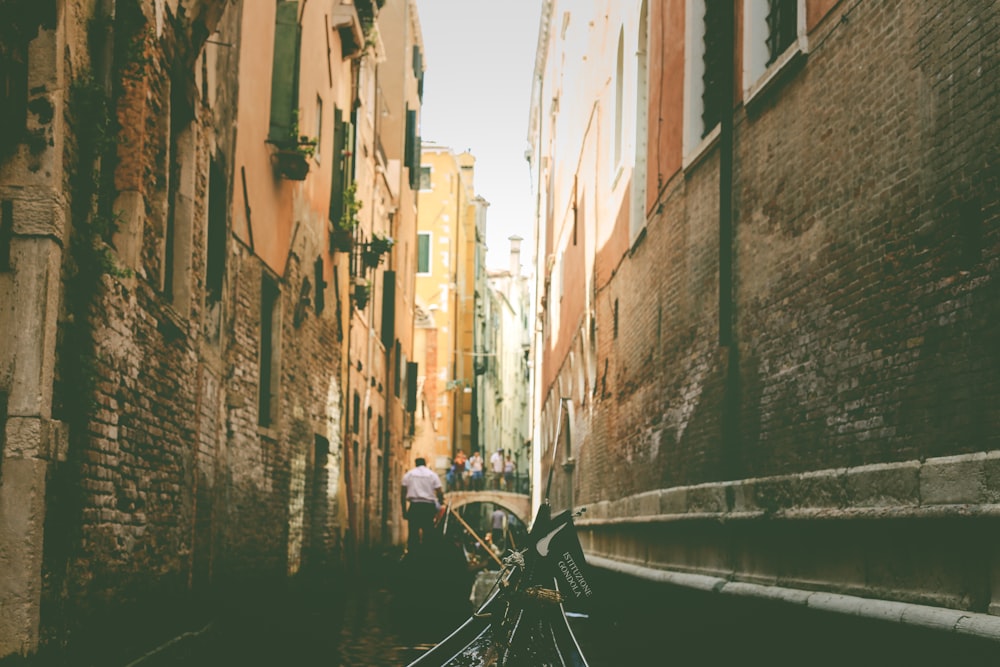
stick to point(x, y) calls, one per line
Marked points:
point(479, 57)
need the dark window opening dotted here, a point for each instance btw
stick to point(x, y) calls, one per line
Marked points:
point(411, 149)
point(411, 387)
point(397, 381)
point(13, 98)
point(356, 414)
point(782, 26)
point(215, 260)
point(269, 311)
point(6, 233)
point(320, 296)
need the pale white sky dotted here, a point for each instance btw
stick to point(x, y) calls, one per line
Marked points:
point(479, 60)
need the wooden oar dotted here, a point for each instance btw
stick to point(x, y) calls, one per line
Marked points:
point(489, 550)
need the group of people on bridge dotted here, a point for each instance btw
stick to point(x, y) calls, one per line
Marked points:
point(466, 473)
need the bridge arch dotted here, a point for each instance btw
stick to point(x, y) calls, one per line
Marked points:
point(518, 504)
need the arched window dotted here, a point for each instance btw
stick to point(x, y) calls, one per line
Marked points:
point(619, 99)
point(638, 216)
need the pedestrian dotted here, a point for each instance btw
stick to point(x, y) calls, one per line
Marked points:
point(498, 522)
point(422, 489)
point(476, 471)
point(460, 462)
point(508, 473)
point(449, 477)
point(496, 468)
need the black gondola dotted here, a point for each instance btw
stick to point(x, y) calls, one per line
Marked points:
point(524, 621)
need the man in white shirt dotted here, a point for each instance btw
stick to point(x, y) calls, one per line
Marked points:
point(496, 467)
point(422, 489)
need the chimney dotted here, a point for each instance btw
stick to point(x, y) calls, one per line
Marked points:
point(515, 255)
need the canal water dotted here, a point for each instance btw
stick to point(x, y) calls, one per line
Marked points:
point(365, 621)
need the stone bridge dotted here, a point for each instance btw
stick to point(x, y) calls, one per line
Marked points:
point(518, 504)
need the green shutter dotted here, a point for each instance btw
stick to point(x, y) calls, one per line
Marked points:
point(423, 253)
point(337, 183)
point(284, 73)
point(408, 147)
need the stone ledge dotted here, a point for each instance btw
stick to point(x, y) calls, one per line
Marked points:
point(954, 486)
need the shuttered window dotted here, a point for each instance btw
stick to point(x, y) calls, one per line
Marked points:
point(712, 96)
point(343, 163)
point(284, 75)
point(411, 151)
point(423, 252)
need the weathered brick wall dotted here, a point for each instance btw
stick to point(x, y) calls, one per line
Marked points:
point(866, 305)
point(867, 299)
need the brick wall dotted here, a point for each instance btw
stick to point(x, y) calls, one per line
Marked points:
point(866, 250)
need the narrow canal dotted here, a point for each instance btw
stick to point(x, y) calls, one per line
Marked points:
point(361, 621)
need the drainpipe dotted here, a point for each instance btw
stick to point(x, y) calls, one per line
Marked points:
point(727, 310)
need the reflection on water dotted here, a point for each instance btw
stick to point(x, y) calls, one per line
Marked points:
point(389, 615)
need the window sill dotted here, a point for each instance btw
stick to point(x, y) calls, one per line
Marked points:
point(267, 432)
point(695, 156)
point(775, 73)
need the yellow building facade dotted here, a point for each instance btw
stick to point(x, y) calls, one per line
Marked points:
point(445, 292)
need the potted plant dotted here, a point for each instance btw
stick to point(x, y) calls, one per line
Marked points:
point(376, 250)
point(362, 292)
point(342, 234)
point(291, 157)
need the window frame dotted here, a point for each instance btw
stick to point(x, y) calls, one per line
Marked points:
point(430, 254)
point(757, 75)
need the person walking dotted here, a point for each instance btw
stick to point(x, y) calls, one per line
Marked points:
point(508, 473)
point(476, 471)
point(422, 489)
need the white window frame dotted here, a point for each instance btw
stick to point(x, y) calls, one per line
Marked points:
point(757, 75)
point(430, 254)
point(639, 170)
point(694, 145)
point(430, 178)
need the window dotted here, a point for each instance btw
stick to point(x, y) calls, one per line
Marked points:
point(411, 149)
point(177, 241)
point(619, 98)
point(215, 260)
point(319, 299)
point(424, 253)
point(707, 46)
point(400, 368)
point(270, 328)
point(13, 95)
point(356, 415)
point(425, 178)
point(343, 162)
point(638, 215)
point(6, 233)
point(284, 72)
point(774, 31)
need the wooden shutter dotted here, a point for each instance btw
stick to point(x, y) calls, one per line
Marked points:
point(388, 307)
point(284, 72)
